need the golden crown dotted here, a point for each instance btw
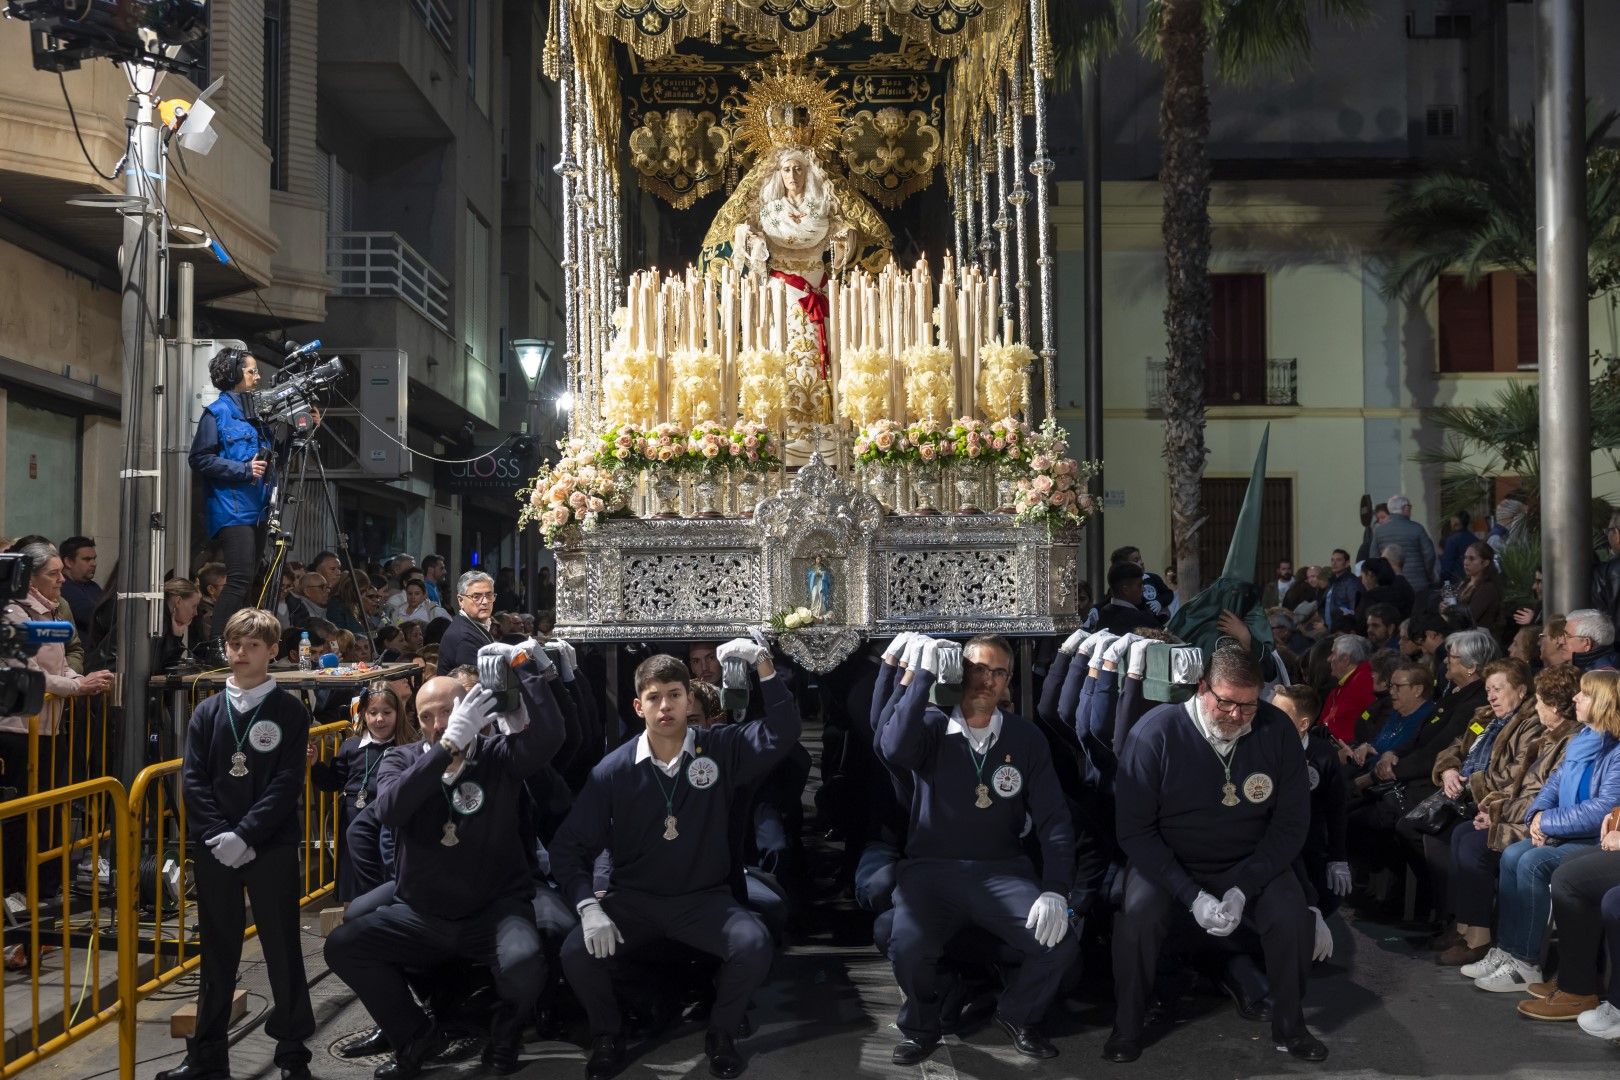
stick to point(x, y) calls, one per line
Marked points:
point(788, 103)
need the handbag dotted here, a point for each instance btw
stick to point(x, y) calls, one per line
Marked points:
point(1439, 812)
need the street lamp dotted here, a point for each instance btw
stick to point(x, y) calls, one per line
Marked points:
point(533, 355)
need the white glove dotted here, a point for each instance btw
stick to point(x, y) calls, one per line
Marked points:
point(913, 654)
point(745, 649)
point(468, 718)
point(602, 937)
point(1323, 947)
point(567, 659)
point(948, 663)
point(1072, 643)
point(1338, 878)
point(1049, 918)
point(930, 656)
point(897, 647)
point(1088, 646)
point(537, 653)
point(230, 849)
point(1099, 646)
point(1232, 903)
point(758, 634)
point(1207, 913)
point(1136, 666)
point(1117, 647)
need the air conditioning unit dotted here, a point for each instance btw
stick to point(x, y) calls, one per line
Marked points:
point(362, 432)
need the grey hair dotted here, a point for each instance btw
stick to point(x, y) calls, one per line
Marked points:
point(1398, 504)
point(1352, 647)
point(469, 579)
point(1473, 649)
point(37, 553)
point(1394, 556)
point(1590, 623)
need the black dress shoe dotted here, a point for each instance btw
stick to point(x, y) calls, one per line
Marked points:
point(745, 1027)
point(724, 1061)
point(1305, 1046)
point(187, 1071)
point(408, 1059)
point(911, 1051)
point(1026, 1040)
point(607, 1057)
point(1247, 1006)
point(371, 1045)
point(1121, 1049)
point(500, 1058)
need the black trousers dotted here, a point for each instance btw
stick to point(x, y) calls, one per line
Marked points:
point(1278, 915)
point(1473, 876)
point(239, 547)
point(1586, 909)
point(271, 884)
point(711, 922)
point(938, 898)
point(52, 750)
point(374, 953)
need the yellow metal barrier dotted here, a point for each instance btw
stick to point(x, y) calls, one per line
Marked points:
point(103, 813)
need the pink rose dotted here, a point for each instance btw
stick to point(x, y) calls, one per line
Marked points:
point(596, 505)
point(1041, 463)
point(861, 447)
point(711, 451)
point(999, 444)
point(885, 440)
point(1041, 483)
point(926, 450)
point(751, 441)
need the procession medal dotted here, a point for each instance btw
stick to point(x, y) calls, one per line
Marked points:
point(670, 832)
point(1229, 796)
point(239, 767)
point(449, 839)
point(360, 800)
point(983, 801)
point(239, 764)
point(983, 790)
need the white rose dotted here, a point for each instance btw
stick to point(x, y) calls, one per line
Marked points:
point(793, 622)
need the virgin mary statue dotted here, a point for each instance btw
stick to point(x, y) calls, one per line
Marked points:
point(792, 219)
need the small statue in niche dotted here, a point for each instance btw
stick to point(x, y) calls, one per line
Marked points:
point(819, 580)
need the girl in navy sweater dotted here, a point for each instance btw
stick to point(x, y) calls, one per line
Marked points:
point(379, 723)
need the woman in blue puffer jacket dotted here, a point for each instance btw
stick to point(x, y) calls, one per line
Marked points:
point(231, 454)
point(1565, 819)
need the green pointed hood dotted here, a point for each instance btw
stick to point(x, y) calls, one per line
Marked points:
point(1244, 552)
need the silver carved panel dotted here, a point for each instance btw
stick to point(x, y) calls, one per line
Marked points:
point(918, 584)
point(690, 586)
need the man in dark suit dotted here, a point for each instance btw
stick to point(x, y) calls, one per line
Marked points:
point(472, 628)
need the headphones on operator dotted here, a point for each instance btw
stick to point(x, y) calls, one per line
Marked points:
point(225, 369)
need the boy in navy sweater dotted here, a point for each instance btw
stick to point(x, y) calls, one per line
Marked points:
point(1213, 806)
point(659, 805)
point(976, 774)
point(242, 778)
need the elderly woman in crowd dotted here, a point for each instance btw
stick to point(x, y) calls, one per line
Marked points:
point(1485, 762)
point(1563, 820)
point(1586, 909)
point(1526, 646)
point(1353, 686)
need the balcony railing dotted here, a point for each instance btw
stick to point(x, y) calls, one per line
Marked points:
point(383, 264)
point(435, 15)
point(1265, 382)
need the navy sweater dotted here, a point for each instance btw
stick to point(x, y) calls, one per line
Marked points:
point(621, 809)
point(1169, 815)
point(261, 807)
point(944, 822)
point(489, 861)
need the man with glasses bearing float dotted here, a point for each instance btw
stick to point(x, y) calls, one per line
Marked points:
point(471, 629)
point(976, 775)
point(1213, 807)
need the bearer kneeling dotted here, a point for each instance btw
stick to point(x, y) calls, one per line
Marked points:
point(464, 888)
point(976, 774)
point(659, 805)
point(1213, 807)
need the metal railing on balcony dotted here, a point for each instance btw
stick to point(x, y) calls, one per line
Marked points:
point(383, 264)
point(1261, 382)
point(435, 15)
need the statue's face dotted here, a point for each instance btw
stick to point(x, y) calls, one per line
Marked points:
point(792, 169)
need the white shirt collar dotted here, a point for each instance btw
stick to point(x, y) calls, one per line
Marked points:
point(644, 752)
point(1208, 730)
point(366, 740)
point(981, 738)
point(243, 700)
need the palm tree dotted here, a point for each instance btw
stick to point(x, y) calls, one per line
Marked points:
point(1249, 38)
point(1480, 215)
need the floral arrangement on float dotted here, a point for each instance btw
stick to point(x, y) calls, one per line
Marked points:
point(576, 492)
point(1052, 491)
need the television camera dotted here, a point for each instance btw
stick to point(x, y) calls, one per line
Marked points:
point(291, 398)
point(23, 691)
point(166, 34)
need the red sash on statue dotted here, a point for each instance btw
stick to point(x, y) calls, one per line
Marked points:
point(814, 305)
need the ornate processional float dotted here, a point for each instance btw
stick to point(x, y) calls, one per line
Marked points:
point(798, 428)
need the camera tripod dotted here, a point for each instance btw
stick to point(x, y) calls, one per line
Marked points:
point(293, 513)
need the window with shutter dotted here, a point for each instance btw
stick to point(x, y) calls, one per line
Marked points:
point(1235, 373)
point(475, 290)
point(1465, 325)
point(1221, 498)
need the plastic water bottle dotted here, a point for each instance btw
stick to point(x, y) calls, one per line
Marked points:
point(306, 659)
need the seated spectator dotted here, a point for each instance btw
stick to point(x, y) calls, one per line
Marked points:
point(310, 601)
point(1377, 587)
point(1308, 622)
point(1586, 908)
point(1457, 540)
point(1564, 819)
point(1527, 616)
point(211, 580)
point(1555, 641)
point(1383, 627)
point(416, 607)
point(1589, 635)
point(1374, 716)
point(1353, 689)
point(182, 632)
point(1481, 594)
point(1525, 753)
point(1410, 708)
point(390, 640)
point(415, 640)
point(1526, 646)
